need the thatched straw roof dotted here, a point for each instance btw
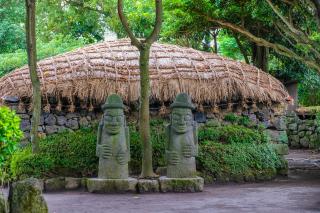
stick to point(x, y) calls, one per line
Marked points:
point(95, 71)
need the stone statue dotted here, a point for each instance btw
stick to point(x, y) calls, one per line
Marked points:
point(113, 146)
point(183, 139)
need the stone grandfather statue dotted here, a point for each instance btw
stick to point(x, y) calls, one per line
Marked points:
point(183, 139)
point(113, 146)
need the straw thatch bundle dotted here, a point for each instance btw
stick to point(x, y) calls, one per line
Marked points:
point(95, 71)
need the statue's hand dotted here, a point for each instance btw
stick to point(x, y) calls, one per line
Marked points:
point(122, 158)
point(173, 158)
point(187, 151)
point(106, 151)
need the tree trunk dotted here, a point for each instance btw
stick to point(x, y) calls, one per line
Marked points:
point(147, 170)
point(32, 62)
point(260, 56)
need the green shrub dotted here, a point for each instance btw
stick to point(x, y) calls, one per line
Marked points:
point(231, 117)
point(238, 162)
point(229, 152)
point(10, 133)
point(232, 134)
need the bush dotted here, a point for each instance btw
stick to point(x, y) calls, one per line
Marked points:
point(238, 162)
point(229, 152)
point(232, 134)
point(10, 133)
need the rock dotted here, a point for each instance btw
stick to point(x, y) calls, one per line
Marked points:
point(61, 120)
point(51, 129)
point(145, 185)
point(302, 134)
point(26, 197)
point(181, 184)
point(302, 127)
point(294, 140)
point(54, 184)
point(279, 123)
point(24, 116)
point(72, 124)
point(3, 205)
point(83, 122)
point(308, 133)
point(200, 117)
point(25, 125)
point(11, 99)
point(41, 120)
point(96, 185)
point(293, 126)
point(72, 115)
point(304, 142)
point(50, 120)
point(72, 183)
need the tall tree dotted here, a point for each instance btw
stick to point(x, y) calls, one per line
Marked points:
point(32, 62)
point(144, 46)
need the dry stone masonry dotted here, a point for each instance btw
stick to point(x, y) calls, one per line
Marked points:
point(303, 130)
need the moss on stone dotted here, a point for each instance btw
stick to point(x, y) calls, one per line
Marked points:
point(3, 204)
point(181, 184)
point(26, 197)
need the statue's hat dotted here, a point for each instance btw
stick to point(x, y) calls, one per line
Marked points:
point(114, 101)
point(183, 100)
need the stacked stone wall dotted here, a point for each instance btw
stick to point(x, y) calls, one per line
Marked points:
point(303, 130)
point(272, 119)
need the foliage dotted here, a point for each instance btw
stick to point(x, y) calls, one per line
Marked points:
point(225, 152)
point(10, 134)
point(59, 44)
point(12, 36)
point(238, 162)
point(231, 134)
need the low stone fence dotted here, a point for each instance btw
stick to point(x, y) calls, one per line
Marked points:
point(303, 130)
point(272, 119)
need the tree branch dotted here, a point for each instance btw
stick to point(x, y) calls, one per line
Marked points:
point(280, 49)
point(299, 35)
point(125, 24)
point(243, 51)
point(156, 31)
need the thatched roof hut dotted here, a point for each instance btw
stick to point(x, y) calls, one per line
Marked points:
point(95, 71)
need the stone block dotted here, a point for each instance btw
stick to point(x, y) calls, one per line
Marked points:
point(26, 197)
point(72, 115)
point(181, 184)
point(51, 129)
point(25, 125)
point(72, 124)
point(50, 120)
point(279, 123)
point(145, 186)
point(304, 142)
point(293, 126)
point(302, 134)
point(96, 185)
point(61, 120)
point(294, 140)
point(83, 122)
point(54, 184)
point(72, 183)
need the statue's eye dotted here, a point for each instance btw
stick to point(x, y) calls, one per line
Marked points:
point(119, 118)
point(175, 117)
point(108, 118)
point(187, 118)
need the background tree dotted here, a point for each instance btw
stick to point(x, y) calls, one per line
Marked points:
point(32, 62)
point(144, 46)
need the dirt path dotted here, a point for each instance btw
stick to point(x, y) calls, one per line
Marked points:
point(294, 194)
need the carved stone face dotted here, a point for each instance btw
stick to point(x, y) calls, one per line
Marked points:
point(181, 120)
point(113, 121)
